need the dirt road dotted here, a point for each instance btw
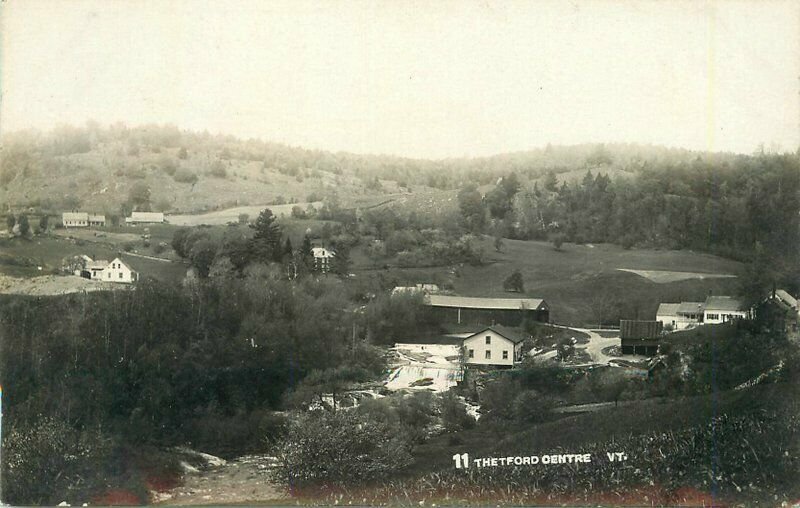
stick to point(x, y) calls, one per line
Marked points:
point(243, 481)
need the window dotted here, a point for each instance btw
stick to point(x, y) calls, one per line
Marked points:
point(120, 275)
point(505, 355)
point(109, 275)
point(488, 355)
point(713, 316)
point(472, 353)
point(488, 339)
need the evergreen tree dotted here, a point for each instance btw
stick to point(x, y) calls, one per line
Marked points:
point(305, 255)
point(266, 242)
point(24, 225)
point(288, 251)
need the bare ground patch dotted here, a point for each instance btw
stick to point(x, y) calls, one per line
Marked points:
point(664, 276)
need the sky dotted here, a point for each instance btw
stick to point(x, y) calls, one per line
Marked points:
point(427, 79)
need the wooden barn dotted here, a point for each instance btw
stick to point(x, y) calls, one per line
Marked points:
point(640, 337)
point(488, 311)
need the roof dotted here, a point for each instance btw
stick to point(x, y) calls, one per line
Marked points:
point(630, 329)
point(97, 264)
point(468, 302)
point(74, 216)
point(691, 308)
point(721, 303)
point(786, 298)
point(509, 333)
point(322, 252)
point(668, 309)
point(146, 217)
point(97, 218)
point(419, 288)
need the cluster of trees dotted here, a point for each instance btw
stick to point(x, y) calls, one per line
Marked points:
point(21, 224)
point(746, 208)
point(162, 365)
point(234, 250)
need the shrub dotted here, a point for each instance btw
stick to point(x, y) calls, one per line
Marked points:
point(218, 170)
point(51, 461)
point(342, 449)
point(184, 176)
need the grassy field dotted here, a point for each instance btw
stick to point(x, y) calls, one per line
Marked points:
point(48, 252)
point(578, 281)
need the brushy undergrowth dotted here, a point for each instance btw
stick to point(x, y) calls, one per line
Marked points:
point(747, 459)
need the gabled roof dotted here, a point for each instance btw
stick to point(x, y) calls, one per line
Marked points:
point(468, 302)
point(509, 333)
point(125, 262)
point(786, 298)
point(97, 264)
point(322, 252)
point(668, 309)
point(145, 217)
point(723, 303)
point(636, 329)
point(75, 216)
point(690, 308)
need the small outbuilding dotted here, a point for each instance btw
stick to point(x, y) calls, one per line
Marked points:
point(640, 337)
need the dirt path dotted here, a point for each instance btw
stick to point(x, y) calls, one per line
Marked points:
point(594, 348)
point(244, 480)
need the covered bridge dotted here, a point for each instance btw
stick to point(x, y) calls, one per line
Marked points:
point(488, 311)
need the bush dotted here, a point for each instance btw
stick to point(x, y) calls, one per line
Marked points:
point(184, 176)
point(218, 170)
point(514, 282)
point(51, 462)
point(342, 449)
point(454, 413)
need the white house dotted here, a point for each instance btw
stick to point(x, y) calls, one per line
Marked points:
point(323, 259)
point(418, 288)
point(96, 268)
point(119, 271)
point(75, 219)
point(97, 220)
point(721, 309)
point(145, 218)
point(495, 345)
point(680, 316)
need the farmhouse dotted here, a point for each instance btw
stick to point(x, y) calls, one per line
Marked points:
point(488, 311)
point(323, 259)
point(680, 316)
point(101, 270)
point(496, 346)
point(75, 219)
point(783, 309)
point(95, 268)
point(418, 288)
point(97, 220)
point(145, 218)
point(639, 337)
point(721, 309)
point(119, 271)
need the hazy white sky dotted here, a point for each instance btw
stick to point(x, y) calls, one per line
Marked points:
point(423, 79)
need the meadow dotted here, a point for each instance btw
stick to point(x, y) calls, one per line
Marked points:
point(582, 283)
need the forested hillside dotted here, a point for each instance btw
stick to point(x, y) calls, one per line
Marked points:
point(746, 207)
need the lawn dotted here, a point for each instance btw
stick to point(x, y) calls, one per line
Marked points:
point(49, 251)
point(579, 282)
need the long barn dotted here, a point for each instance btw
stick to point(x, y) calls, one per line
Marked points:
point(488, 311)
